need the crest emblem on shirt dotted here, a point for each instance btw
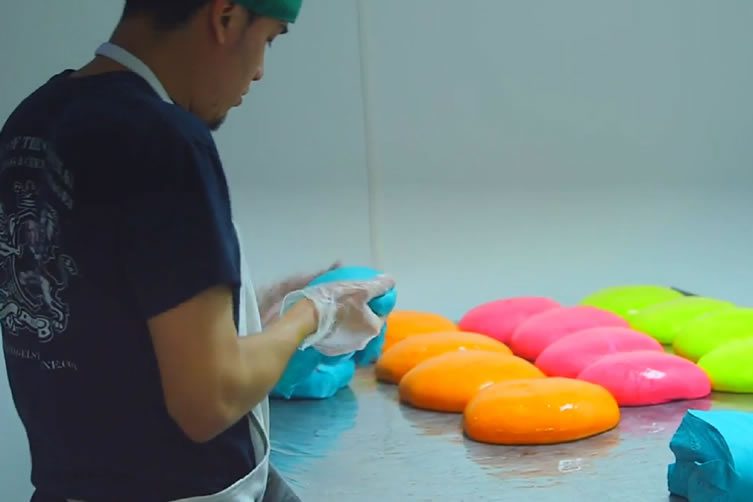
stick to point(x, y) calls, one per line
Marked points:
point(34, 272)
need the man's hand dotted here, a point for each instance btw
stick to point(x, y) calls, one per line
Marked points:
point(345, 322)
point(270, 299)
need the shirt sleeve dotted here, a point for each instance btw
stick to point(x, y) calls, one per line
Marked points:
point(176, 234)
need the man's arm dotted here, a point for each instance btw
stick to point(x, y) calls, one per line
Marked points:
point(210, 376)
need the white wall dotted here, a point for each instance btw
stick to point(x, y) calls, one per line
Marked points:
point(517, 147)
point(295, 152)
point(556, 147)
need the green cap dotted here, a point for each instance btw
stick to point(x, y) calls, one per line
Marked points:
point(284, 10)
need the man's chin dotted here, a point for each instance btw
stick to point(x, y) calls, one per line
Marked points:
point(217, 123)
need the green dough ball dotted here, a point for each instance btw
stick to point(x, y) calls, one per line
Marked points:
point(627, 301)
point(708, 332)
point(729, 366)
point(664, 320)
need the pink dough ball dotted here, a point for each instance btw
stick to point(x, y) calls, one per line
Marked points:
point(541, 330)
point(499, 318)
point(570, 355)
point(645, 378)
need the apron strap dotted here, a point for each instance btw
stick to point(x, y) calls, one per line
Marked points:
point(122, 56)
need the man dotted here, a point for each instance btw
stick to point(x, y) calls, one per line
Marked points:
point(124, 289)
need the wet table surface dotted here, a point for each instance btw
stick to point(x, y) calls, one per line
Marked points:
point(363, 444)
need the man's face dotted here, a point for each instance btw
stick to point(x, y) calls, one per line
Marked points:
point(235, 60)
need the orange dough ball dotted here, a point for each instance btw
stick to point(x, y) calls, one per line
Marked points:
point(540, 411)
point(406, 354)
point(404, 323)
point(449, 381)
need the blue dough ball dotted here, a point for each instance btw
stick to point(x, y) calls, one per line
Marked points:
point(713, 460)
point(326, 380)
point(300, 366)
point(332, 360)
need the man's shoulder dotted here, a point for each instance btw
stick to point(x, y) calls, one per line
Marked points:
point(145, 115)
point(115, 108)
point(116, 136)
point(171, 120)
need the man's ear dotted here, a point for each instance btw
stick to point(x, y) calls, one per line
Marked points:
point(223, 14)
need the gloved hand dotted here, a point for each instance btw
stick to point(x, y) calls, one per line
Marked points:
point(346, 323)
point(270, 299)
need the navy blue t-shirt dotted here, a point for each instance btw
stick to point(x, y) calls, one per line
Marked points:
point(114, 207)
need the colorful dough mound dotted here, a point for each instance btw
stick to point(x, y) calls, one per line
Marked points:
point(498, 319)
point(730, 367)
point(404, 323)
point(628, 301)
point(570, 355)
point(540, 411)
point(645, 378)
point(447, 382)
point(406, 354)
point(665, 320)
point(539, 331)
point(704, 334)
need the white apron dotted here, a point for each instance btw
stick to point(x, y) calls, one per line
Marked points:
point(252, 487)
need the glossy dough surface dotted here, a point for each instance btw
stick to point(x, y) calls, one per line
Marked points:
point(498, 319)
point(663, 321)
point(706, 333)
point(570, 355)
point(447, 382)
point(539, 331)
point(730, 367)
point(540, 411)
point(402, 324)
point(644, 378)
point(406, 354)
point(627, 301)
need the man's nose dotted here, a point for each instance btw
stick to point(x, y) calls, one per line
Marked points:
point(259, 74)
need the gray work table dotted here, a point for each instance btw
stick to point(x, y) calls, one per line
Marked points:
point(363, 445)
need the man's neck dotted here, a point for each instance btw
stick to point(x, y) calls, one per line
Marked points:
point(164, 54)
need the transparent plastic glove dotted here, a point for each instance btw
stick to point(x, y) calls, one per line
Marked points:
point(270, 298)
point(346, 322)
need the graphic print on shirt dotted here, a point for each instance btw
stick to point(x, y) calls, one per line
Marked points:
point(34, 273)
